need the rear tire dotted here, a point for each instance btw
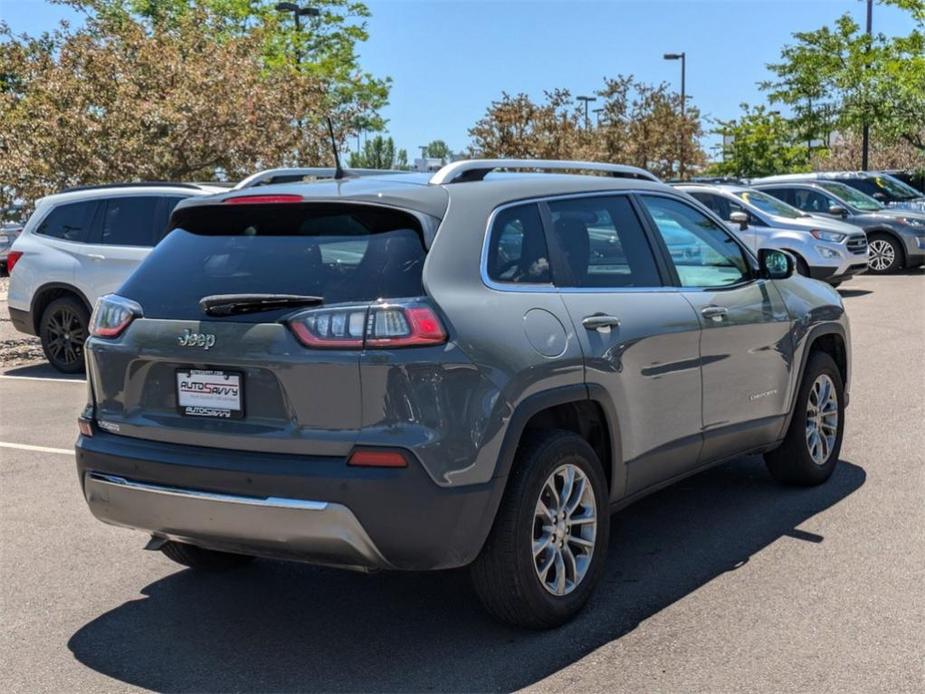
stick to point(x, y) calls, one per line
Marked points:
point(63, 331)
point(886, 254)
point(542, 588)
point(810, 450)
point(203, 559)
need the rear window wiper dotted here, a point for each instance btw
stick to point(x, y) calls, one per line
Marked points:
point(233, 304)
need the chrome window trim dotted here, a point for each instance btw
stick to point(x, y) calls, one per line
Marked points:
point(267, 502)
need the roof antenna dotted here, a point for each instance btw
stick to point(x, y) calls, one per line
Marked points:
point(339, 172)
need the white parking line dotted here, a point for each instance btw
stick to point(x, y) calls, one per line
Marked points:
point(40, 449)
point(41, 378)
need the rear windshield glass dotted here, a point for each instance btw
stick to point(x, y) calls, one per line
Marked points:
point(339, 252)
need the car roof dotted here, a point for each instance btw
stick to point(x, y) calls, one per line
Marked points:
point(711, 187)
point(123, 190)
point(416, 192)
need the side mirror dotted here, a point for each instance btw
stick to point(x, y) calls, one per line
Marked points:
point(775, 264)
point(739, 218)
point(838, 211)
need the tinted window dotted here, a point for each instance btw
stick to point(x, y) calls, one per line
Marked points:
point(704, 254)
point(165, 206)
point(517, 249)
point(811, 201)
point(130, 221)
point(68, 222)
point(784, 194)
point(339, 252)
point(602, 244)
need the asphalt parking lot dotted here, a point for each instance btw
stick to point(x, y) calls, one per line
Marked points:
point(725, 582)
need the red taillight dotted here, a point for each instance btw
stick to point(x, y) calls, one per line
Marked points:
point(379, 326)
point(377, 458)
point(263, 199)
point(11, 259)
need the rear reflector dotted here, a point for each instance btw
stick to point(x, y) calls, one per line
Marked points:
point(263, 199)
point(11, 259)
point(367, 458)
point(85, 427)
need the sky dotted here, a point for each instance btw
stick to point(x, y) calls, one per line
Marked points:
point(450, 59)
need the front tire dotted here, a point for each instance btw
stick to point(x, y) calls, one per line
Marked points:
point(548, 545)
point(885, 254)
point(810, 450)
point(63, 331)
point(203, 559)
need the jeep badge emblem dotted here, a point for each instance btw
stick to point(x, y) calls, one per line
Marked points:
point(191, 339)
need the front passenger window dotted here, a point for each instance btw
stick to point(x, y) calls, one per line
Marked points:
point(704, 254)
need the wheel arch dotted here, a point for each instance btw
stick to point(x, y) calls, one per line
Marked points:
point(585, 410)
point(832, 339)
point(50, 291)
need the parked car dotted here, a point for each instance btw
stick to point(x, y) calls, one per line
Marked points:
point(9, 232)
point(825, 249)
point(914, 179)
point(896, 237)
point(77, 246)
point(507, 360)
point(881, 186)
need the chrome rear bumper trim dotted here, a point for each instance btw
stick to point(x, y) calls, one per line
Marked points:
point(270, 501)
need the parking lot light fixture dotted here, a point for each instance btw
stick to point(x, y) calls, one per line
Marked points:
point(587, 100)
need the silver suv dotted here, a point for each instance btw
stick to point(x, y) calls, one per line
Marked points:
point(896, 236)
point(825, 249)
point(476, 368)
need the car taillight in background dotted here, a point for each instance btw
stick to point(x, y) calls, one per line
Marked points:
point(112, 316)
point(376, 326)
point(11, 259)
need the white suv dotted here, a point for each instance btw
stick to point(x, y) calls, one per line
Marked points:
point(77, 246)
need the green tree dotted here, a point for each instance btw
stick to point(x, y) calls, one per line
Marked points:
point(878, 80)
point(760, 143)
point(323, 47)
point(438, 149)
point(378, 153)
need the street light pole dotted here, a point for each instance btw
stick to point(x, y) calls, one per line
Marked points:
point(865, 135)
point(586, 100)
point(683, 58)
point(297, 12)
point(597, 114)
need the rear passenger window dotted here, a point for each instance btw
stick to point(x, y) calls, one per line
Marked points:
point(517, 252)
point(131, 221)
point(602, 243)
point(68, 222)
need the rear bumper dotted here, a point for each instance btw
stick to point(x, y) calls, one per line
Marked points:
point(305, 508)
point(22, 320)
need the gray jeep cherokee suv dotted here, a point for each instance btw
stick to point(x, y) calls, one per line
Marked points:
point(399, 372)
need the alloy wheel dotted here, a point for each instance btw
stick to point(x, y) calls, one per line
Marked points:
point(882, 255)
point(65, 337)
point(564, 530)
point(821, 419)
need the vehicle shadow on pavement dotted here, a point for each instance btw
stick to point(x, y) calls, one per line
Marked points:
point(275, 626)
point(41, 371)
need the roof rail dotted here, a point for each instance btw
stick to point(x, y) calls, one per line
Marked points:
point(137, 184)
point(476, 169)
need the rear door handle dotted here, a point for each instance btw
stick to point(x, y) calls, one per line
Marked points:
point(715, 312)
point(601, 322)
